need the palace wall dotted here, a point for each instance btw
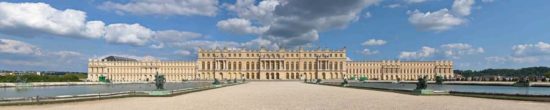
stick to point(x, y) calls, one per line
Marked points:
point(265, 64)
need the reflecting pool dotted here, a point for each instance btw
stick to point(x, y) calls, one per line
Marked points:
point(461, 88)
point(50, 91)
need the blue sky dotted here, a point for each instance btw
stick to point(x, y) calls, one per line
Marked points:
point(62, 35)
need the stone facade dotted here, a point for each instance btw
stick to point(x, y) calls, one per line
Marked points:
point(140, 71)
point(271, 65)
point(399, 70)
point(265, 64)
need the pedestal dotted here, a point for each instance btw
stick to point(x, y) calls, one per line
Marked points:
point(159, 92)
point(423, 92)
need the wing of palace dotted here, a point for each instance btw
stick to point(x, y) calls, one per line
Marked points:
point(265, 64)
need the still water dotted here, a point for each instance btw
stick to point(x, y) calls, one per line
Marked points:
point(462, 88)
point(49, 91)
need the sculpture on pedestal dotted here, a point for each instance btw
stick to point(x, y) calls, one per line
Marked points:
point(344, 83)
point(159, 81)
point(438, 80)
point(216, 81)
point(422, 83)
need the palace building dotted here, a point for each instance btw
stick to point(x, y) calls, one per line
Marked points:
point(265, 64)
point(120, 69)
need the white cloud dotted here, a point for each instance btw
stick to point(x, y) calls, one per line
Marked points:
point(496, 59)
point(247, 9)
point(374, 42)
point(369, 52)
point(451, 50)
point(538, 49)
point(38, 19)
point(240, 26)
point(526, 53)
point(394, 6)
point(455, 50)
point(67, 54)
point(367, 15)
point(515, 59)
point(133, 34)
point(462, 7)
point(137, 57)
point(183, 52)
point(18, 47)
point(157, 46)
point(525, 59)
point(415, 1)
point(165, 7)
point(196, 44)
point(424, 53)
point(257, 43)
point(20, 55)
point(297, 22)
point(442, 19)
point(434, 21)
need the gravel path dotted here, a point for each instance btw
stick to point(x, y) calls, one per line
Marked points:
point(292, 95)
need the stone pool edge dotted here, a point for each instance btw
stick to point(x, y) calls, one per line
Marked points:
point(197, 89)
point(536, 98)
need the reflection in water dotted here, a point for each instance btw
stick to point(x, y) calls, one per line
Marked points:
point(463, 88)
point(22, 89)
point(49, 91)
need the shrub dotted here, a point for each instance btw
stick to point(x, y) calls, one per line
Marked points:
point(363, 78)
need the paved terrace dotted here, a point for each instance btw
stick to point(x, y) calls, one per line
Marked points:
point(292, 95)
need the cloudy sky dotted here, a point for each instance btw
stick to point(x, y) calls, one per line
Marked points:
point(62, 35)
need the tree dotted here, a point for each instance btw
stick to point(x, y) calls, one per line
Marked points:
point(523, 72)
point(547, 74)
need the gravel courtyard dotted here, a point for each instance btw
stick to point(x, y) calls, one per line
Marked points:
point(292, 95)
